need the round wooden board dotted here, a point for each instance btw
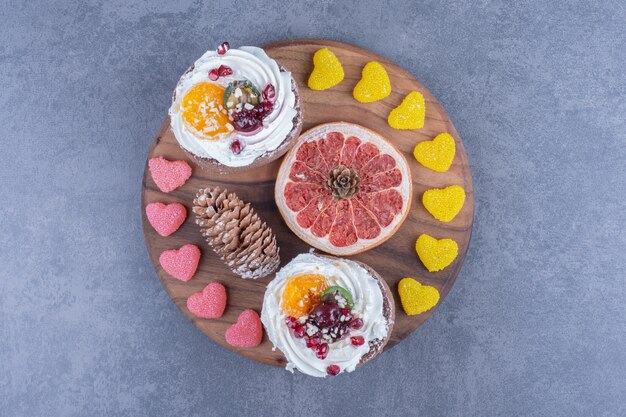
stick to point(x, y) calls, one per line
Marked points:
point(394, 260)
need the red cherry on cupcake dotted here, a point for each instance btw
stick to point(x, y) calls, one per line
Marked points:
point(248, 120)
point(326, 314)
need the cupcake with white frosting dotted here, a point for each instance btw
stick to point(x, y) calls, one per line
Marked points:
point(327, 315)
point(235, 109)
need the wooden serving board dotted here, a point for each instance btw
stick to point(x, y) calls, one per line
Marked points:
point(394, 260)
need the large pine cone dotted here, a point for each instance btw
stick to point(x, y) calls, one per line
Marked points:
point(235, 233)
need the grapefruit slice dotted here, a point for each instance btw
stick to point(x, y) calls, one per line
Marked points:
point(343, 188)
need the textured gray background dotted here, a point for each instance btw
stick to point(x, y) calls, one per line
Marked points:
point(535, 325)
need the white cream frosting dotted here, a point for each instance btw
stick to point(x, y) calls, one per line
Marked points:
point(249, 63)
point(368, 305)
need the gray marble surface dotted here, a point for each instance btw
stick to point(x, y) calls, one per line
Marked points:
point(536, 324)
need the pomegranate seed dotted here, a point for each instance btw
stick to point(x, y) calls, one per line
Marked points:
point(322, 351)
point(223, 48)
point(269, 93)
point(236, 146)
point(224, 70)
point(312, 341)
point(291, 322)
point(356, 323)
point(333, 370)
point(214, 75)
point(299, 331)
point(268, 106)
point(357, 340)
point(345, 312)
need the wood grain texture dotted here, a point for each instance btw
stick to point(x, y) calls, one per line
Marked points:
point(394, 260)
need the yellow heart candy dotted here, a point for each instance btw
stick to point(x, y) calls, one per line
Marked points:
point(444, 203)
point(374, 84)
point(436, 254)
point(415, 297)
point(327, 70)
point(410, 113)
point(436, 154)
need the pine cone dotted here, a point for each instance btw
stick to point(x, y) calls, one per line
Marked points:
point(235, 233)
point(343, 182)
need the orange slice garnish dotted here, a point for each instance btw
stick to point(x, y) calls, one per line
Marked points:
point(203, 111)
point(302, 293)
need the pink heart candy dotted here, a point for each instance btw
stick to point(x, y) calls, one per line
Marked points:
point(166, 219)
point(169, 175)
point(209, 303)
point(247, 332)
point(181, 263)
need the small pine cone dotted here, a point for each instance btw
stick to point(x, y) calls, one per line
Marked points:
point(343, 182)
point(236, 233)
